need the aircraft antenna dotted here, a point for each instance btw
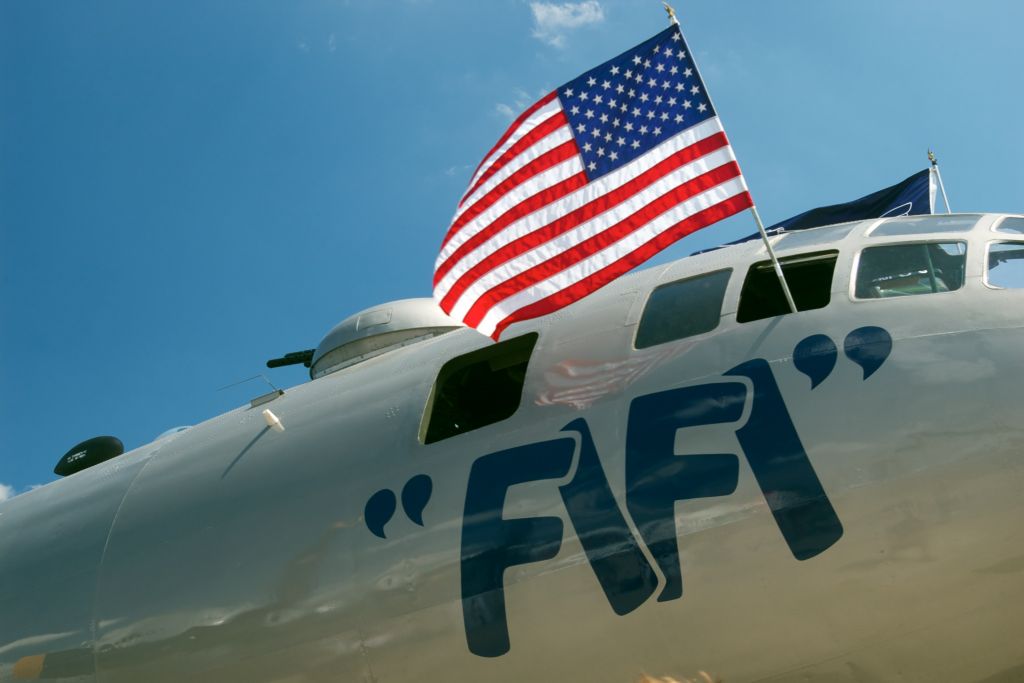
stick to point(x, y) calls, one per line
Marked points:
point(938, 176)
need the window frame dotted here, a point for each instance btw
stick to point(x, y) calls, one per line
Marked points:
point(650, 294)
point(855, 267)
point(465, 360)
point(834, 253)
point(985, 263)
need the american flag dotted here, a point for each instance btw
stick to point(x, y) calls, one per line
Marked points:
point(590, 181)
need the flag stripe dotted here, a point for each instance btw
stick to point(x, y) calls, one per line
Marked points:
point(556, 261)
point(543, 162)
point(705, 154)
point(529, 223)
point(546, 196)
point(521, 125)
point(554, 175)
point(600, 278)
point(543, 129)
point(547, 143)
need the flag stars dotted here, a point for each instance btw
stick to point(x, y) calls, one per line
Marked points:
point(671, 101)
point(589, 113)
point(659, 68)
point(615, 71)
point(636, 111)
point(628, 126)
point(632, 93)
point(664, 116)
point(644, 97)
point(647, 64)
point(665, 84)
point(613, 156)
point(679, 118)
point(574, 110)
point(687, 104)
point(652, 82)
point(582, 128)
point(688, 72)
point(587, 147)
point(681, 54)
point(606, 84)
point(657, 49)
point(591, 166)
point(596, 132)
point(656, 131)
point(620, 88)
point(604, 118)
point(607, 137)
point(636, 59)
point(612, 104)
point(620, 141)
point(591, 81)
point(650, 113)
point(598, 99)
point(674, 70)
point(635, 144)
point(623, 107)
point(676, 37)
point(600, 151)
point(583, 95)
point(568, 92)
point(657, 99)
point(695, 90)
point(643, 130)
point(629, 74)
point(615, 122)
point(702, 108)
point(680, 87)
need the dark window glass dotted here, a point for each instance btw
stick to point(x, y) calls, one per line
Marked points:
point(1006, 265)
point(809, 277)
point(682, 309)
point(478, 389)
point(910, 269)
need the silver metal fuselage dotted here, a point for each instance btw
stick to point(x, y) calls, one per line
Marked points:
point(232, 553)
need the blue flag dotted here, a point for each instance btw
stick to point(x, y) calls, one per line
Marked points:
point(915, 195)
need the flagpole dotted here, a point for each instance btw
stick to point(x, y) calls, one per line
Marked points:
point(935, 167)
point(753, 207)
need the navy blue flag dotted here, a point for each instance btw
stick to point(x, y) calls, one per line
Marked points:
point(914, 195)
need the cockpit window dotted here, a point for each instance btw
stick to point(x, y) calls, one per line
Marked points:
point(925, 224)
point(681, 309)
point(909, 269)
point(1005, 265)
point(809, 277)
point(477, 389)
point(1011, 224)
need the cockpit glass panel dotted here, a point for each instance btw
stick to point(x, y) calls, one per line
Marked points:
point(1005, 265)
point(925, 224)
point(682, 309)
point(1011, 224)
point(909, 269)
point(477, 389)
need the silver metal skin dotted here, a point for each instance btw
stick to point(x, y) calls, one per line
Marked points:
point(229, 552)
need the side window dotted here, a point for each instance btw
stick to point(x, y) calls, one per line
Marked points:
point(909, 269)
point(682, 309)
point(477, 389)
point(1011, 224)
point(809, 277)
point(1005, 265)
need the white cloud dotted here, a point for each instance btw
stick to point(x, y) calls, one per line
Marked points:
point(6, 492)
point(551, 20)
point(522, 101)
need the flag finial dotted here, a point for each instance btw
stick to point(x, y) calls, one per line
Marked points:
point(931, 157)
point(671, 13)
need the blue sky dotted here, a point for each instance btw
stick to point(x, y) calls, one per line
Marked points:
point(188, 189)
